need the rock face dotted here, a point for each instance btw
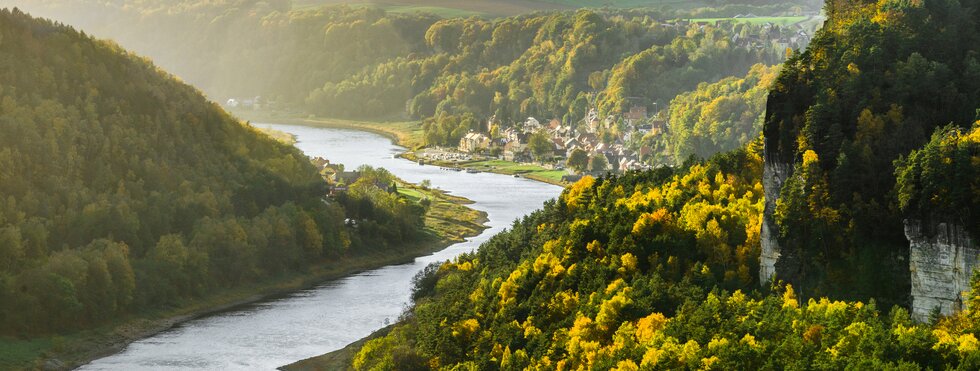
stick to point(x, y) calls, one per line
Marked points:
point(942, 260)
point(774, 173)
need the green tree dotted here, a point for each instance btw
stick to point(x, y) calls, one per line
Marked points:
point(541, 146)
point(578, 160)
point(598, 163)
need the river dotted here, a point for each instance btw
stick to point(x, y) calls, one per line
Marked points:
point(311, 322)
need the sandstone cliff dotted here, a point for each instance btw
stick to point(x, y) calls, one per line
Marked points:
point(942, 259)
point(773, 176)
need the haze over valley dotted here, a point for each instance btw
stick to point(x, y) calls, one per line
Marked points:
point(489, 185)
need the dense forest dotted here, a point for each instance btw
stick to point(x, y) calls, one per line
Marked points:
point(458, 74)
point(659, 269)
point(876, 82)
point(653, 270)
point(362, 62)
point(720, 116)
point(940, 182)
point(125, 189)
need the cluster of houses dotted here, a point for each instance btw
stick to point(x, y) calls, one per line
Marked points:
point(512, 144)
point(255, 103)
point(339, 180)
point(768, 35)
point(774, 36)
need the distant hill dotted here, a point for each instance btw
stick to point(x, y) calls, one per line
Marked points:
point(123, 189)
point(79, 10)
point(318, 59)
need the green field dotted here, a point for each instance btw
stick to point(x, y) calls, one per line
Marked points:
point(437, 10)
point(529, 171)
point(448, 216)
point(18, 353)
point(410, 194)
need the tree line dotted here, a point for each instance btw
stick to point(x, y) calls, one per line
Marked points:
point(652, 270)
point(363, 62)
point(125, 190)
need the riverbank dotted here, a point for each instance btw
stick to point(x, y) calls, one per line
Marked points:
point(447, 221)
point(409, 134)
point(405, 133)
point(279, 136)
point(340, 359)
point(523, 170)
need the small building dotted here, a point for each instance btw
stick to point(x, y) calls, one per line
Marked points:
point(474, 142)
point(635, 115)
point(571, 144)
point(587, 141)
point(348, 177)
point(659, 126)
point(532, 125)
point(516, 151)
point(554, 124)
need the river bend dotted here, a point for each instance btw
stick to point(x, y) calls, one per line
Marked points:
point(311, 322)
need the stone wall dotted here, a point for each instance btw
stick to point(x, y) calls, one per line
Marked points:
point(941, 261)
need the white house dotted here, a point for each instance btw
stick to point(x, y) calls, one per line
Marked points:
point(532, 125)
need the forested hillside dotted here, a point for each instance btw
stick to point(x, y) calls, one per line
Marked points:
point(659, 269)
point(651, 271)
point(876, 82)
point(125, 189)
point(940, 183)
point(720, 116)
point(365, 62)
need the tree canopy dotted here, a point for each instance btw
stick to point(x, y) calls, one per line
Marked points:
point(364, 62)
point(877, 80)
point(720, 116)
point(124, 189)
point(653, 270)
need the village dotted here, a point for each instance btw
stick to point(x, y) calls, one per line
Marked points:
point(595, 145)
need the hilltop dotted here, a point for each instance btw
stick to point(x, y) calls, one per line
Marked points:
point(128, 196)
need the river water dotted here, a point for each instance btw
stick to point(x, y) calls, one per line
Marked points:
point(266, 335)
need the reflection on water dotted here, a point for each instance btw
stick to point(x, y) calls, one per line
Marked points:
point(328, 317)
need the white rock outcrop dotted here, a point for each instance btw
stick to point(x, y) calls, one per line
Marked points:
point(773, 176)
point(941, 264)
